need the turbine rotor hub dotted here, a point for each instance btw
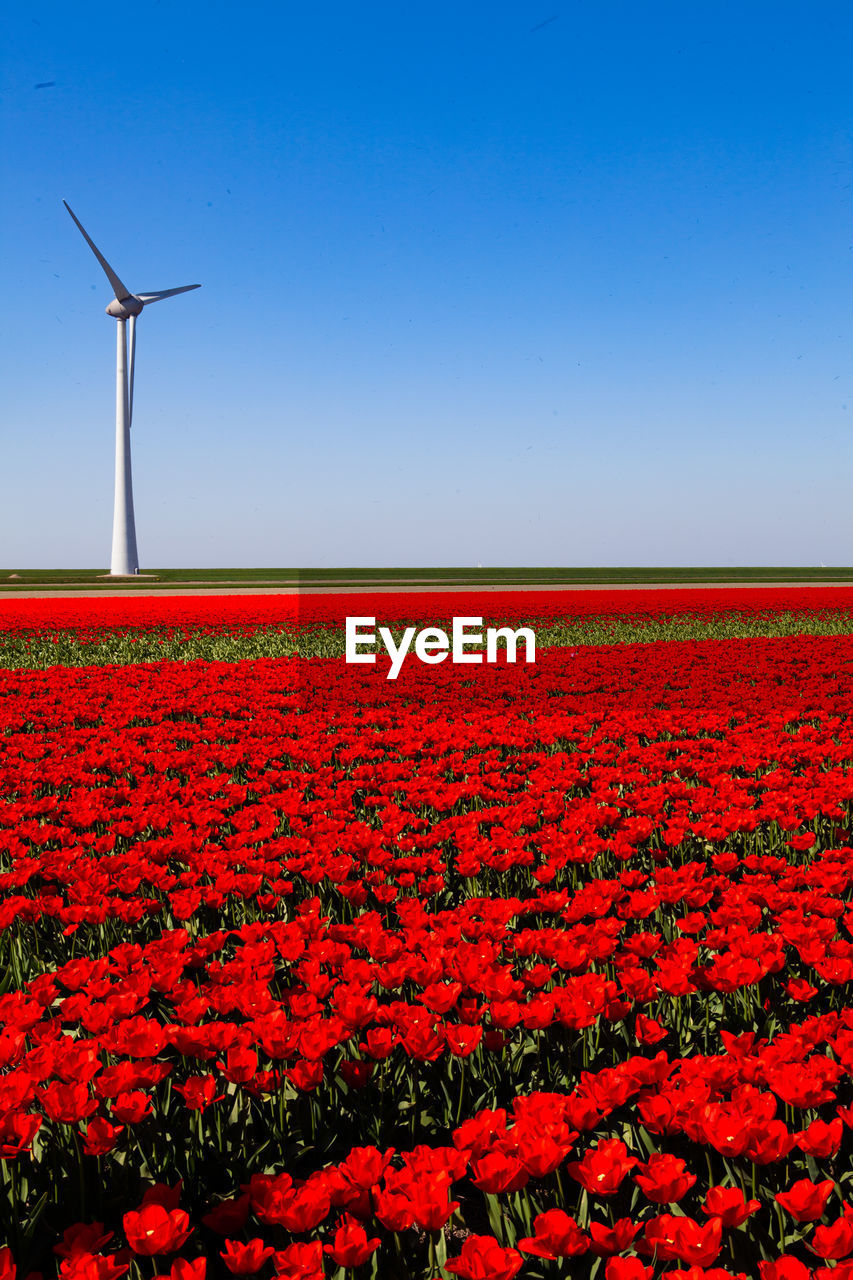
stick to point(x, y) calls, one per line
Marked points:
point(127, 307)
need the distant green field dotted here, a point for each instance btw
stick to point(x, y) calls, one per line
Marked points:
point(14, 580)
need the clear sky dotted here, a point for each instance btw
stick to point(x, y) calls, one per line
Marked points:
point(513, 283)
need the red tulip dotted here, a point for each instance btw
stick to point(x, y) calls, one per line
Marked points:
point(67, 1103)
point(82, 1238)
point(306, 1075)
point(100, 1136)
point(603, 1169)
point(153, 1229)
point(462, 1040)
point(16, 1134)
point(664, 1178)
point(351, 1246)
point(240, 1065)
point(228, 1215)
point(682, 1238)
point(92, 1266)
point(784, 1268)
point(556, 1235)
point(428, 1195)
point(245, 1259)
point(300, 1262)
point(834, 1241)
point(773, 1143)
point(615, 1239)
point(628, 1269)
point(806, 1200)
point(820, 1139)
point(184, 1269)
point(130, 1108)
point(161, 1193)
point(301, 1208)
point(648, 1031)
point(497, 1172)
point(729, 1205)
point(482, 1258)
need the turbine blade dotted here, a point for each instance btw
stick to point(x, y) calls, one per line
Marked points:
point(120, 290)
point(131, 366)
point(145, 298)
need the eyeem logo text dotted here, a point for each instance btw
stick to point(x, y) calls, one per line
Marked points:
point(433, 645)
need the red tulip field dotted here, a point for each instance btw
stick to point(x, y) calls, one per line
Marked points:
point(514, 970)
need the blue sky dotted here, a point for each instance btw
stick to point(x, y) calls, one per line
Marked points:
point(546, 283)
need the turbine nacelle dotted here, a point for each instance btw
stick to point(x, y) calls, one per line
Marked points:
point(127, 307)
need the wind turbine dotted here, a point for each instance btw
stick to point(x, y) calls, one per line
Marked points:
point(125, 306)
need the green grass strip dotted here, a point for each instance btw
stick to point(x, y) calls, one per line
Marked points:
point(66, 649)
point(151, 580)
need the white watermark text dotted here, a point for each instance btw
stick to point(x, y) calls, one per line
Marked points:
point(433, 645)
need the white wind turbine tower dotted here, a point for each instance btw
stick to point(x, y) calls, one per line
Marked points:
point(125, 306)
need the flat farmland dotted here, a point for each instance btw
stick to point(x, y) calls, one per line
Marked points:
point(71, 581)
point(521, 969)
